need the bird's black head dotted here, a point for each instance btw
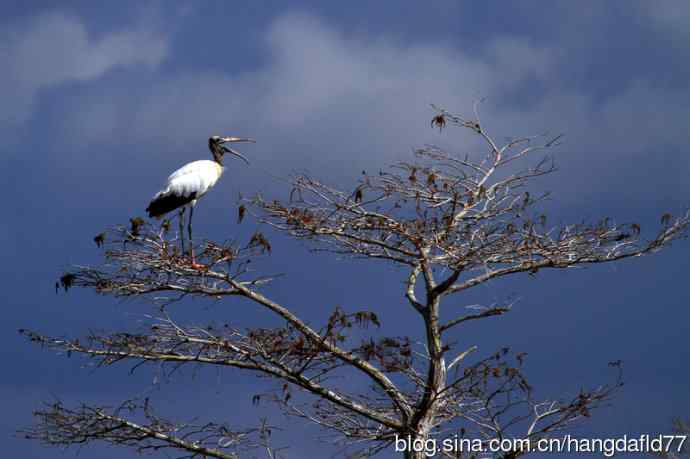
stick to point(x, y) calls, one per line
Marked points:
point(217, 146)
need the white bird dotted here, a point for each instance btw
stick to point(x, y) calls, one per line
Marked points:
point(190, 182)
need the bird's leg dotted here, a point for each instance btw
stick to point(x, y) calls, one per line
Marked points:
point(189, 232)
point(191, 242)
point(181, 221)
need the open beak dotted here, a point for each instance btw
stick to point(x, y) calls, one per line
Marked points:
point(235, 152)
point(236, 139)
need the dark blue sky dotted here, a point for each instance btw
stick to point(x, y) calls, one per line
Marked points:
point(101, 101)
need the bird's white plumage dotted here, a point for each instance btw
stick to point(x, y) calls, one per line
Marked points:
point(195, 178)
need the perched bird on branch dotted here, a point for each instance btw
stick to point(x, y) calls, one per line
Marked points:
point(189, 183)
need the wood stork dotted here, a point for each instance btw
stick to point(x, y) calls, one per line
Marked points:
point(190, 182)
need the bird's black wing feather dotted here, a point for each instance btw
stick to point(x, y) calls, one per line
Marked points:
point(161, 204)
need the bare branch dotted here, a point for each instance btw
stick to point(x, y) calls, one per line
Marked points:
point(62, 426)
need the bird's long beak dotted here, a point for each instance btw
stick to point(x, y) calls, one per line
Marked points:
point(235, 152)
point(237, 139)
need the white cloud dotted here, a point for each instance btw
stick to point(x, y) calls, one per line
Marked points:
point(320, 92)
point(326, 101)
point(56, 48)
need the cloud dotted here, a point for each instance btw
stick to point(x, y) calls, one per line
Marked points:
point(56, 48)
point(319, 90)
point(337, 102)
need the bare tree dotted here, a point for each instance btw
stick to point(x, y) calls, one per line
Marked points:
point(449, 223)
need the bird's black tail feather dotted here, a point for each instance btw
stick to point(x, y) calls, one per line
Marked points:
point(161, 204)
